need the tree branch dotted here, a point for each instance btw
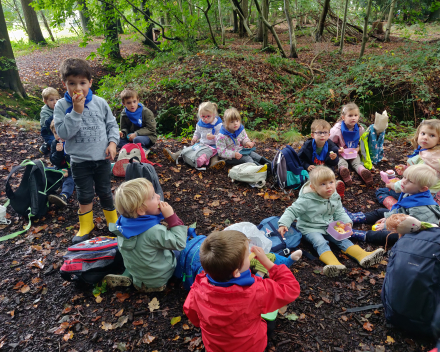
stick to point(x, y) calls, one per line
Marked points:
point(209, 23)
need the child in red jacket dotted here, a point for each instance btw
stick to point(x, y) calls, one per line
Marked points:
point(227, 301)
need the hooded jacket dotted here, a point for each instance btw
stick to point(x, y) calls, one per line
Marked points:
point(336, 134)
point(305, 154)
point(314, 213)
point(148, 127)
point(230, 317)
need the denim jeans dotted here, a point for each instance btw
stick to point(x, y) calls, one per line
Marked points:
point(320, 242)
point(143, 140)
point(382, 193)
point(47, 136)
point(91, 177)
point(251, 158)
point(68, 185)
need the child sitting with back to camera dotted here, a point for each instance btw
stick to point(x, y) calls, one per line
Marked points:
point(226, 301)
point(426, 142)
point(316, 207)
point(233, 144)
point(50, 98)
point(346, 134)
point(148, 248)
point(207, 128)
point(138, 124)
point(415, 200)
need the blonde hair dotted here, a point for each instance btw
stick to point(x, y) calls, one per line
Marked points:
point(229, 116)
point(49, 92)
point(128, 93)
point(422, 175)
point(349, 107)
point(131, 195)
point(209, 107)
point(320, 124)
point(320, 174)
point(222, 253)
point(432, 124)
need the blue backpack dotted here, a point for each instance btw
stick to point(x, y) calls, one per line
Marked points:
point(411, 289)
point(287, 169)
point(188, 263)
point(279, 245)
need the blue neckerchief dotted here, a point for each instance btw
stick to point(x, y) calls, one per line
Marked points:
point(414, 200)
point(69, 100)
point(130, 227)
point(210, 125)
point(323, 154)
point(416, 151)
point(234, 135)
point(351, 138)
point(135, 117)
point(245, 279)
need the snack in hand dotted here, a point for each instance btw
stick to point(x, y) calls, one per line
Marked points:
point(78, 93)
point(340, 227)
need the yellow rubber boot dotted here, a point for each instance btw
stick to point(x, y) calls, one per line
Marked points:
point(86, 226)
point(333, 267)
point(365, 259)
point(110, 216)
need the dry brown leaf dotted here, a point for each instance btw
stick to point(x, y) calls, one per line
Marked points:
point(138, 322)
point(148, 338)
point(344, 318)
point(368, 326)
point(106, 326)
point(18, 285)
point(118, 314)
point(25, 289)
point(68, 336)
point(185, 327)
point(390, 340)
point(98, 299)
point(154, 304)
point(122, 296)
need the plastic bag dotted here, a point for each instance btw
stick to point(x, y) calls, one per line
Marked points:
point(256, 237)
point(381, 122)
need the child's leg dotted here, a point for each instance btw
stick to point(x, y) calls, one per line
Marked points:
point(359, 167)
point(344, 172)
point(387, 197)
point(270, 328)
point(290, 260)
point(242, 160)
point(380, 237)
point(68, 185)
point(144, 140)
point(357, 218)
point(375, 215)
point(259, 159)
point(101, 178)
point(122, 142)
point(171, 156)
point(215, 163)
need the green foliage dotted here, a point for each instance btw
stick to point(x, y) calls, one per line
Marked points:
point(100, 289)
point(405, 129)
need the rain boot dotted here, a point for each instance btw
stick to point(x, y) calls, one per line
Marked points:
point(365, 259)
point(110, 216)
point(216, 164)
point(359, 235)
point(333, 266)
point(345, 174)
point(365, 175)
point(114, 280)
point(171, 156)
point(340, 188)
point(388, 202)
point(264, 161)
point(86, 225)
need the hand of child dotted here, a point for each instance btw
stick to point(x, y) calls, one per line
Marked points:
point(249, 144)
point(310, 168)
point(132, 137)
point(166, 209)
point(341, 150)
point(332, 155)
point(121, 134)
point(238, 156)
point(60, 147)
point(194, 140)
point(400, 169)
point(262, 258)
point(390, 185)
point(78, 101)
point(357, 149)
point(210, 136)
point(65, 172)
point(110, 152)
point(380, 226)
point(282, 230)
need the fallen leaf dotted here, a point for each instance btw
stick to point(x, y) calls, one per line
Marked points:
point(176, 338)
point(175, 169)
point(292, 316)
point(122, 296)
point(282, 310)
point(138, 322)
point(118, 314)
point(106, 326)
point(25, 289)
point(68, 336)
point(98, 299)
point(372, 281)
point(147, 338)
point(319, 304)
point(389, 340)
point(18, 285)
point(266, 195)
point(185, 327)
point(368, 326)
point(197, 196)
point(96, 318)
point(153, 305)
point(344, 318)
point(121, 321)
point(175, 320)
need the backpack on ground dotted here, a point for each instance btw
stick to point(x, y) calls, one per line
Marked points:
point(282, 246)
point(141, 170)
point(188, 264)
point(30, 199)
point(127, 152)
point(253, 174)
point(287, 169)
point(197, 155)
point(411, 289)
point(91, 260)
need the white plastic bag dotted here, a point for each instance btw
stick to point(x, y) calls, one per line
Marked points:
point(256, 237)
point(381, 122)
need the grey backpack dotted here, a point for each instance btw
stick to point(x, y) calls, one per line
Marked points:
point(198, 155)
point(253, 174)
point(141, 170)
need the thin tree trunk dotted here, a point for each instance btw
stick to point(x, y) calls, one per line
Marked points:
point(265, 17)
point(249, 32)
point(181, 10)
point(292, 38)
point(84, 17)
point(209, 22)
point(17, 10)
point(9, 78)
point(365, 34)
point(250, 14)
point(390, 21)
point(147, 15)
point(111, 31)
point(244, 8)
point(221, 22)
point(47, 25)
point(30, 16)
point(259, 36)
point(320, 30)
point(344, 23)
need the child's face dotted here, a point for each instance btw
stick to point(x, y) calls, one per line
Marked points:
point(410, 187)
point(428, 138)
point(320, 136)
point(325, 188)
point(234, 125)
point(246, 261)
point(51, 101)
point(207, 117)
point(76, 84)
point(150, 205)
point(131, 104)
point(351, 118)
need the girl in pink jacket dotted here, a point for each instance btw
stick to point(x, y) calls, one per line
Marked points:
point(346, 134)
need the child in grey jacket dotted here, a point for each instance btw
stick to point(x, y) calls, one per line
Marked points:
point(50, 98)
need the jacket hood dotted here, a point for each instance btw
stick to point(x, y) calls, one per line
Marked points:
point(308, 193)
point(125, 243)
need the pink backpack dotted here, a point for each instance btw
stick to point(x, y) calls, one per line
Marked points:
point(127, 152)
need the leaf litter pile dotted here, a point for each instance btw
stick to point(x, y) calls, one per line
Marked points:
point(38, 308)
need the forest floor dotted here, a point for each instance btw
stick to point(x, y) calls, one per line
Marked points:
point(38, 308)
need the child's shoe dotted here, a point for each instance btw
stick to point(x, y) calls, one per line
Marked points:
point(365, 259)
point(145, 289)
point(44, 150)
point(357, 218)
point(389, 201)
point(359, 235)
point(171, 156)
point(264, 161)
point(216, 164)
point(365, 175)
point(59, 200)
point(117, 280)
point(345, 174)
point(333, 267)
point(340, 188)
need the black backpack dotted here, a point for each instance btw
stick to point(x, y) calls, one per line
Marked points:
point(411, 289)
point(287, 169)
point(30, 198)
point(143, 170)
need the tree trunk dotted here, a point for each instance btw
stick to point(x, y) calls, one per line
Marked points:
point(47, 25)
point(365, 34)
point(260, 28)
point(234, 16)
point(344, 23)
point(111, 32)
point(17, 10)
point(244, 8)
point(292, 38)
point(390, 21)
point(149, 31)
point(265, 16)
point(30, 16)
point(320, 29)
point(9, 78)
point(222, 28)
point(83, 15)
